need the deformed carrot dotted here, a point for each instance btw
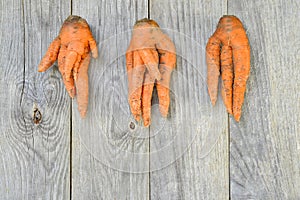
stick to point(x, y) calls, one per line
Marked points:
point(231, 40)
point(71, 48)
point(150, 59)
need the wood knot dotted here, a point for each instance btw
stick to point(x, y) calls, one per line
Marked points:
point(132, 125)
point(37, 116)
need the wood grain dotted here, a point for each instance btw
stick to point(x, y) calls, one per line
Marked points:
point(191, 145)
point(264, 146)
point(34, 129)
point(106, 153)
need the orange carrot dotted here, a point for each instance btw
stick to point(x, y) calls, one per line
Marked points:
point(230, 38)
point(150, 59)
point(71, 48)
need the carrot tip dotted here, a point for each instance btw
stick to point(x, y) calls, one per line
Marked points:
point(40, 69)
point(137, 118)
point(164, 114)
point(213, 97)
point(229, 109)
point(72, 93)
point(237, 118)
point(147, 122)
point(213, 101)
point(82, 114)
point(95, 53)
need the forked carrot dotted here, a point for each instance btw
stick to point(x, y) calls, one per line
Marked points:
point(228, 54)
point(150, 59)
point(71, 48)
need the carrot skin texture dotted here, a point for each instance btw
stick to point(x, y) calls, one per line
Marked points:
point(242, 72)
point(213, 67)
point(146, 98)
point(69, 83)
point(150, 58)
point(168, 61)
point(227, 77)
point(231, 37)
point(148, 85)
point(71, 48)
point(82, 86)
point(136, 85)
point(71, 58)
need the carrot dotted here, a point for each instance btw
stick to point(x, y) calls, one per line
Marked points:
point(150, 59)
point(234, 63)
point(71, 48)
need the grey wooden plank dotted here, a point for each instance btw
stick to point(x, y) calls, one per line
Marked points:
point(109, 160)
point(265, 145)
point(34, 156)
point(189, 150)
point(11, 69)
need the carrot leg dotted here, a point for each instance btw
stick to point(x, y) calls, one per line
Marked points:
point(70, 60)
point(213, 67)
point(82, 86)
point(163, 90)
point(167, 63)
point(129, 66)
point(150, 58)
point(227, 77)
point(51, 55)
point(147, 91)
point(135, 78)
point(77, 66)
point(241, 59)
point(146, 98)
point(69, 85)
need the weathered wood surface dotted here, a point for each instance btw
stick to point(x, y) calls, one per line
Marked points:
point(34, 157)
point(186, 156)
point(265, 145)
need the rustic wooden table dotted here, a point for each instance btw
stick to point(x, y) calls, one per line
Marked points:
point(198, 152)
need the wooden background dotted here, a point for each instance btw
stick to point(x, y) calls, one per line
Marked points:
point(199, 152)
